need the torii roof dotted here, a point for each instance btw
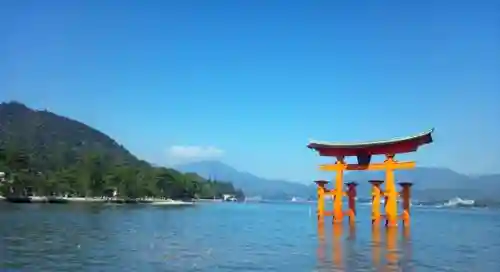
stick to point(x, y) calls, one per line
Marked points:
point(393, 146)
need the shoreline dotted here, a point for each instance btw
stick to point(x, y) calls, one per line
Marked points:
point(69, 200)
point(209, 200)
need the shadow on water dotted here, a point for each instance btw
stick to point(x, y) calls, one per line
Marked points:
point(390, 249)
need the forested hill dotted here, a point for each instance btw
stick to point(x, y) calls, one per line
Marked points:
point(53, 154)
point(49, 137)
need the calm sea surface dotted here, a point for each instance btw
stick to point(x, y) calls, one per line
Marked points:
point(239, 237)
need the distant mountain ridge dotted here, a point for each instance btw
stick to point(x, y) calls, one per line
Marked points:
point(430, 183)
point(254, 185)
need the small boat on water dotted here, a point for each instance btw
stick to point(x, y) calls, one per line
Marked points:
point(36, 199)
point(18, 199)
point(229, 198)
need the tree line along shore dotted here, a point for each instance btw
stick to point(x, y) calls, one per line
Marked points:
point(94, 179)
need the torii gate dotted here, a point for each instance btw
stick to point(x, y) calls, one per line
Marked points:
point(364, 152)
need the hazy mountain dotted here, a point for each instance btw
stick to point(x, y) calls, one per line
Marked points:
point(249, 183)
point(437, 183)
point(424, 178)
point(430, 183)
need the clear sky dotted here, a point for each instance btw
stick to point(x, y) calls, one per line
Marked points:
point(250, 82)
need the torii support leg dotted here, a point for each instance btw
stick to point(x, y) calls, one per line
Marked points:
point(320, 211)
point(376, 193)
point(351, 195)
point(406, 197)
point(391, 195)
point(338, 192)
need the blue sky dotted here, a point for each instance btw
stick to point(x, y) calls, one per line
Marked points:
point(250, 82)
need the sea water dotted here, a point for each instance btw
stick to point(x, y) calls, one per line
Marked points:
point(240, 237)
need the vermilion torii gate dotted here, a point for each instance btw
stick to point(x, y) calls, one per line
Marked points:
point(364, 152)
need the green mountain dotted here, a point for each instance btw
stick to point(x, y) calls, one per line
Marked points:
point(54, 140)
point(52, 154)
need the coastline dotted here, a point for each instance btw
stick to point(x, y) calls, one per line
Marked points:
point(209, 200)
point(68, 200)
